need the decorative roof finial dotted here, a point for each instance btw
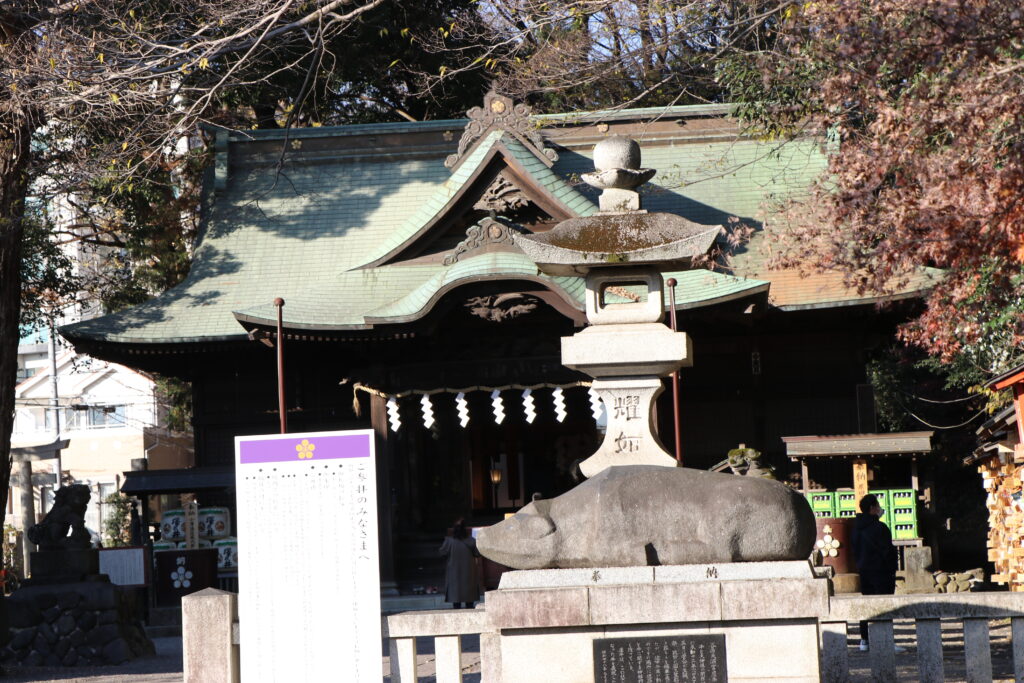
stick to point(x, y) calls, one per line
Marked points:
point(501, 112)
point(617, 160)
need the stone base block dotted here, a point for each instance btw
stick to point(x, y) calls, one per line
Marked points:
point(768, 612)
point(758, 650)
point(846, 583)
point(66, 565)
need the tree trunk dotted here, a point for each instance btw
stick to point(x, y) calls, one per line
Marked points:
point(15, 133)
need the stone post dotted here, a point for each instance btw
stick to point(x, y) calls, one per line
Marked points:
point(209, 652)
point(27, 508)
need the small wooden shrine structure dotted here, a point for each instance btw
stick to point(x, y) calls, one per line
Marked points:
point(1000, 459)
point(866, 455)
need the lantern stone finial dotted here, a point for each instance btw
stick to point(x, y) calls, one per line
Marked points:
point(617, 164)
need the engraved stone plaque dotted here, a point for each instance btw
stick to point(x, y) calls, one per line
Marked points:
point(663, 659)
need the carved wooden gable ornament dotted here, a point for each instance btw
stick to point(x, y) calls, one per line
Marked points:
point(493, 179)
point(501, 112)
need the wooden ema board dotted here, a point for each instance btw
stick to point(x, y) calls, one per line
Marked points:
point(1005, 503)
point(308, 576)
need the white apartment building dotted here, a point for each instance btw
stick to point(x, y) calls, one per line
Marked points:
point(108, 413)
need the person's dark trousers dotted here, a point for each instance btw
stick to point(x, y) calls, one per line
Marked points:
point(874, 585)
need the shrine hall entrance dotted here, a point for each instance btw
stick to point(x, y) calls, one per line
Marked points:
point(481, 472)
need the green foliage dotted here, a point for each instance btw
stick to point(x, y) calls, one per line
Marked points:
point(916, 391)
point(117, 520)
point(48, 275)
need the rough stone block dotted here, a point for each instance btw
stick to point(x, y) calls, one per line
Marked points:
point(87, 621)
point(846, 583)
point(209, 654)
point(554, 578)
point(47, 632)
point(22, 638)
point(23, 613)
point(771, 649)
point(65, 625)
point(62, 647)
point(544, 655)
point(117, 651)
point(917, 559)
point(70, 565)
point(655, 603)
point(69, 600)
point(774, 599)
point(51, 614)
point(627, 349)
point(540, 608)
point(733, 571)
point(103, 634)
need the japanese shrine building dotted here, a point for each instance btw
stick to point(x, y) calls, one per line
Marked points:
point(390, 244)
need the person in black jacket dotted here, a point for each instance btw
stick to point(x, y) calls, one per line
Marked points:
point(875, 555)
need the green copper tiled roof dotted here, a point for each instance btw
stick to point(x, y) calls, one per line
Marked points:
point(501, 265)
point(306, 234)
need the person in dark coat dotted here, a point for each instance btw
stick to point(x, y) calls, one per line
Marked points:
point(461, 587)
point(874, 554)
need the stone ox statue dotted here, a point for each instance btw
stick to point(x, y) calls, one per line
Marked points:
point(638, 515)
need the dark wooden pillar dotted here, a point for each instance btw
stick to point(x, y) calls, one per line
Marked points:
point(385, 526)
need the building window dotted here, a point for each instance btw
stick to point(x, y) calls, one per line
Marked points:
point(105, 416)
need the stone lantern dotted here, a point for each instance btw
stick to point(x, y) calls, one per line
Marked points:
point(622, 251)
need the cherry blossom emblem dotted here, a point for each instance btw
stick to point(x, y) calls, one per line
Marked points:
point(305, 449)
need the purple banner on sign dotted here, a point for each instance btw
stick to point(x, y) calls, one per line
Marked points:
point(304, 448)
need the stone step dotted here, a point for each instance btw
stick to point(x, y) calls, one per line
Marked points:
point(165, 616)
point(169, 631)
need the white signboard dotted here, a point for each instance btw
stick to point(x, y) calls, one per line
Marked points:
point(308, 576)
point(125, 566)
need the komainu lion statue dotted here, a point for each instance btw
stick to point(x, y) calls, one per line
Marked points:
point(63, 528)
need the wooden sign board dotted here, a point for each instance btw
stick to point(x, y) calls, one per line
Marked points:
point(308, 576)
point(181, 572)
point(860, 479)
point(661, 659)
point(128, 566)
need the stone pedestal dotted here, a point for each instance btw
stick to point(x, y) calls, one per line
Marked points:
point(64, 566)
point(768, 612)
point(74, 624)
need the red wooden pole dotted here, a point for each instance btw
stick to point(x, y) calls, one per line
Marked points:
point(675, 375)
point(279, 303)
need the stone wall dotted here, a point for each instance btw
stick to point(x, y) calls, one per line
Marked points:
point(74, 624)
point(938, 582)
